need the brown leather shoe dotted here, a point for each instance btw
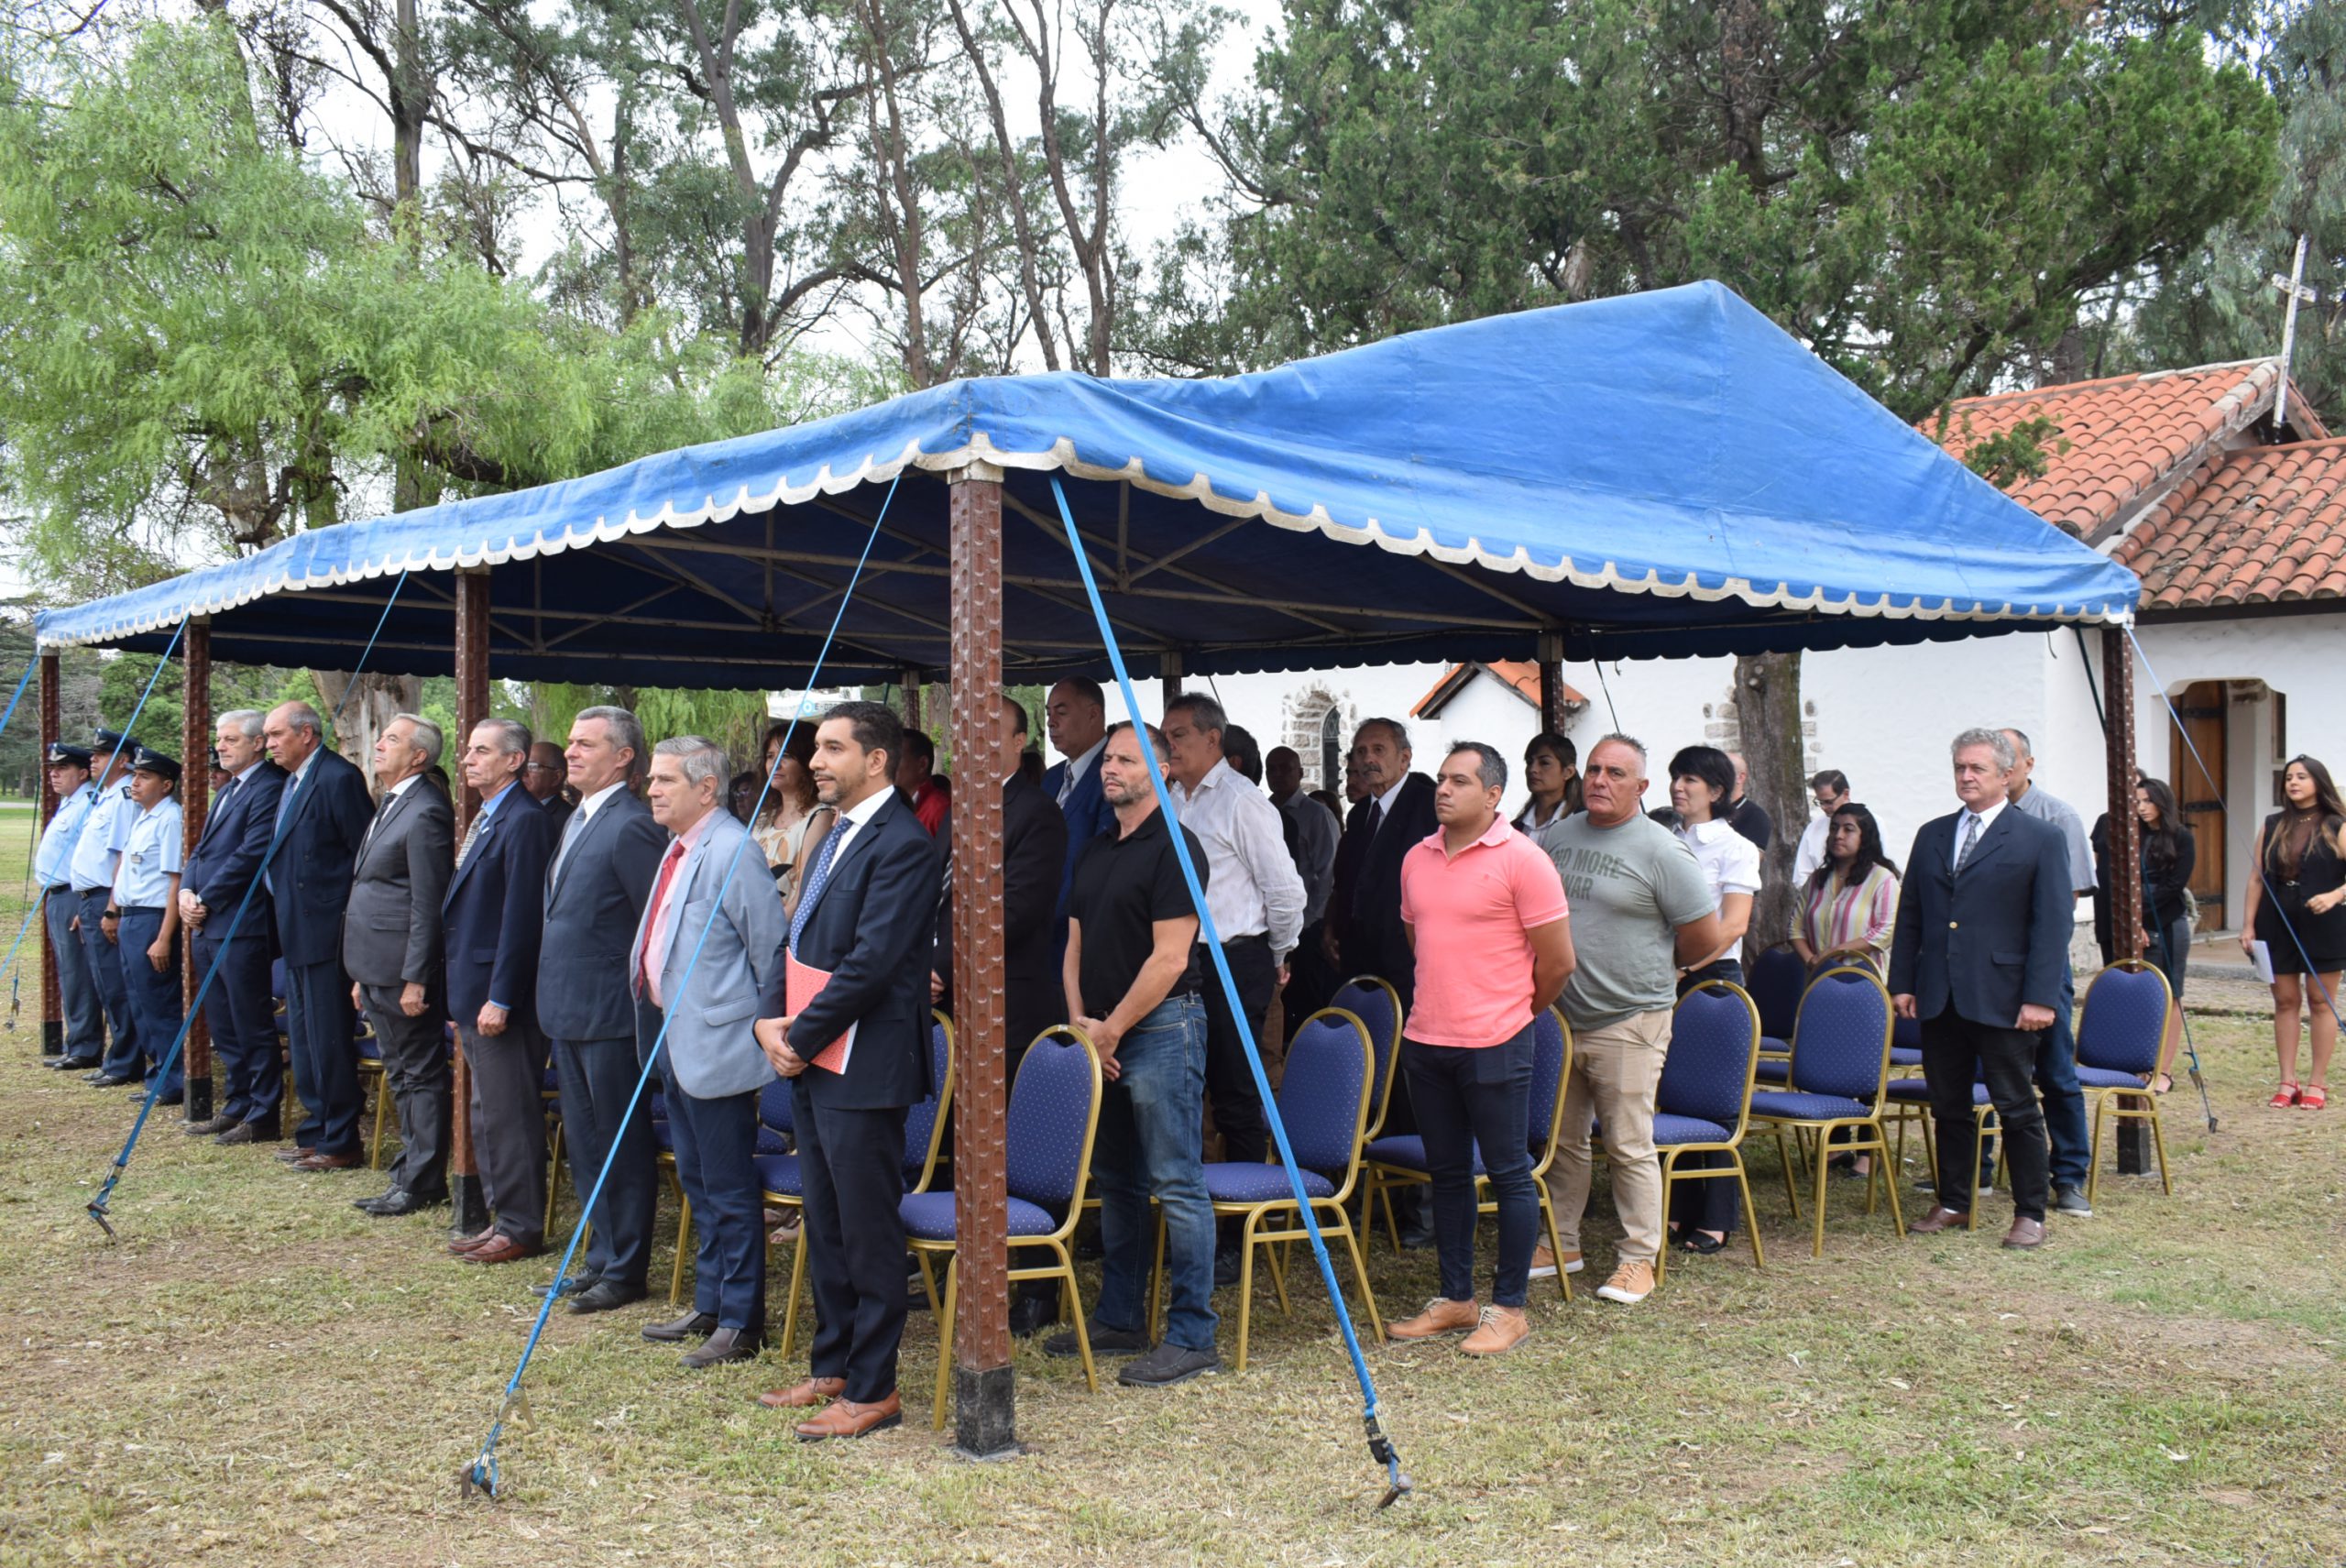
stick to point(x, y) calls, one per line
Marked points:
point(2025, 1234)
point(1441, 1316)
point(1501, 1329)
point(502, 1248)
point(213, 1128)
point(314, 1161)
point(805, 1395)
point(464, 1245)
point(293, 1155)
point(1938, 1219)
point(846, 1417)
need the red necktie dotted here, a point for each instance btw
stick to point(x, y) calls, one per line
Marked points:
point(668, 864)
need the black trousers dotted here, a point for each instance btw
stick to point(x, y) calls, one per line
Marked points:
point(597, 1077)
point(244, 1027)
point(416, 1076)
point(852, 1163)
point(1467, 1098)
point(1712, 1204)
point(508, 1121)
point(1230, 1083)
point(319, 1026)
point(1958, 1053)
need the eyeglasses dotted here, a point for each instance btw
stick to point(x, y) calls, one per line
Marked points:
point(539, 767)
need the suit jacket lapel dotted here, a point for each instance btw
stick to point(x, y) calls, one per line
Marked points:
point(855, 846)
point(380, 834)
point(1992, 839)
point(578, 833)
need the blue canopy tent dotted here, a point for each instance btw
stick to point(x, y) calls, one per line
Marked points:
point(1664, 474)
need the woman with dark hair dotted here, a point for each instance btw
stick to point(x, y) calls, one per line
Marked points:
point(1851, 900)
point(2292, 904)
point(1552, 767)
point(1701, 780)
point(2169, 852)
point(791, 823)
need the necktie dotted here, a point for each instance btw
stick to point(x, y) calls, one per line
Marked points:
point(479, 817)
point(1375, 815)
point(562, 845)
point(1970, 837)
point(654, 950)
point(822, 874)
point(1067, 784)
point(284, 808)
point(227, 792)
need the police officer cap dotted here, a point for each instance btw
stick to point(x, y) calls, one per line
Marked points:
point(60, 755)
point(109, 739)
point(144, 760)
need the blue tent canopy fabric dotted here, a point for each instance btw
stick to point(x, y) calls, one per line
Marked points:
point(1658, 475)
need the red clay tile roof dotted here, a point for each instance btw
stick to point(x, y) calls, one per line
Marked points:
point(2267, 525)
point(1520, 674)
point(2127, 436)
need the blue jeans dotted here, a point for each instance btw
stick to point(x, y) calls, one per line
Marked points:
point(1152, 1142)
point(1466, 1100)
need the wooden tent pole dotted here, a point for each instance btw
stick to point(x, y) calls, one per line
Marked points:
point(195, 803)
point(470, 1203)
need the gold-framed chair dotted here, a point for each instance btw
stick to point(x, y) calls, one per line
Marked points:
point(1838, 1080)
point(1703, 1104)
point(2118, 1050)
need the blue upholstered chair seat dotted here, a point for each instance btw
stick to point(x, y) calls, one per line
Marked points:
point(1408, 1152)
point(1905, 1055)
point(929, 1216)
point(779, 1173)
point(2107, 1078)
point(1670, 1129)
point(1770, 1046)
point(1771, 1070)
point(1792, 1106)
point(1232, 1182)
point(1917, 1092)
point(770, 1141)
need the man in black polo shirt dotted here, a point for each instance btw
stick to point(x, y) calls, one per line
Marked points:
point(1131, 975)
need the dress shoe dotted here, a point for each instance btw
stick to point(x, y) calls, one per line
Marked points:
point(692, 1325)
point(577, 1284)
point(249, 1132)
point(606, 1295)
point(1029, 1315)
point(1441, 1316)
point(1940, 1218)
point(103, 1079)
point(848, 1418)
point(806, 1396)
point(315, 1162)
point(176, 1097)
point(2025, 1234)
point(502, 1248)
point(463, 1245)
point(1500, 1331)
point(726, 1344)
point(75, 1064)
point(399, 1200)
point(211, 1129)
point(293, 1155)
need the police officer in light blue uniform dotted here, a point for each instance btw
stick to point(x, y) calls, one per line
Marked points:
point(85, 1026)
point(146, 915)
point(96, 856)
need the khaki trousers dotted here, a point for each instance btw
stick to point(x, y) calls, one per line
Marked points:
point(1616, 1070)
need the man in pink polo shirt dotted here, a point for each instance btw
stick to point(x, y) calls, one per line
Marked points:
point(1485, 913)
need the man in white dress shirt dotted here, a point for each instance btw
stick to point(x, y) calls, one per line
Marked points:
point(1830, 790)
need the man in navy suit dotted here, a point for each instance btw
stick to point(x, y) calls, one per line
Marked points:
point(865, 919)
point(604, 860)
point(226, 864)
point(1076, 718)
point(494, 916)
point(1397, 814)
point(1983, 937)
point(322, 818)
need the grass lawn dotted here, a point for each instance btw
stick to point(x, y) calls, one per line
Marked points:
point(256, 1374)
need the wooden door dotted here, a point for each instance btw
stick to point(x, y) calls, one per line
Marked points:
point(2205, 714)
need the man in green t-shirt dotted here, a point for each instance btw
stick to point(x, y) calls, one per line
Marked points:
point(1640, 908)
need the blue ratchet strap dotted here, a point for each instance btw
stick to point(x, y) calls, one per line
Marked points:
point(2271, 897)
point(97, 1210)
point(1379, 1445)
point(480, 1476)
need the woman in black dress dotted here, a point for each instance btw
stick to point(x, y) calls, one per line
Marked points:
point(2293, 909)
point(2169, 853)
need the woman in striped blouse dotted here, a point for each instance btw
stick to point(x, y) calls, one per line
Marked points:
point(1850, 900)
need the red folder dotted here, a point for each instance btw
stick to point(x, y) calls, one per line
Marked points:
point(801, 984)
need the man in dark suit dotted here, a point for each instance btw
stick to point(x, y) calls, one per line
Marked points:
point(391, 950)
point(1075, 715)
point(1983, 936)
point(1396, 814)
point(495, 914)
point(603, 862)
point(864, 919)
point(322, 814)
point(543, 775)
point(225, 865)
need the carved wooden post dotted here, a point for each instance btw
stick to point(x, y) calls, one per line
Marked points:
point(1551, 682)
point(2125, 843)
point(985, 1410)
point(195, 801)
point(470, 1204)
point(52, 1001)
point(908, 692)
point(1169, 666)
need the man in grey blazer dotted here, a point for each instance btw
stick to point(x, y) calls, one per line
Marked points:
point(600, 874)
point(391, 950)
point(705, 951)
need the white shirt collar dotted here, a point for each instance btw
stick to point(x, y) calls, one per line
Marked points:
point(1077, 765)
point(399, 788)
point(252, 768)
point(1705, 832)
point(587, 807)
point(1384, 797)
point(1987, 818)
point(1214, 775)
point(864, 810)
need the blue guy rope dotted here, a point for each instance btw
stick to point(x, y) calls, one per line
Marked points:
point(2288, 925)
point(481, 1475)
point(31, 665)
point(83, 826)
point(1379, 1446)
point(97, 1209)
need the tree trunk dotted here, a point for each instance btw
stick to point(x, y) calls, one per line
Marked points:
point(1768, 712)
point(378, 700)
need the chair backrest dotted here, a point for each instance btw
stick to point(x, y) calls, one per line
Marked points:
point(925, 1123)
point(1713, 1050)
point(1552, 1065)
point(1774, 980)
point(1841, 1041)
point(2124, 1019)
point(1054, 1109)
point(773, 1110)
point(1378, 1005)
point(1323, 1099)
